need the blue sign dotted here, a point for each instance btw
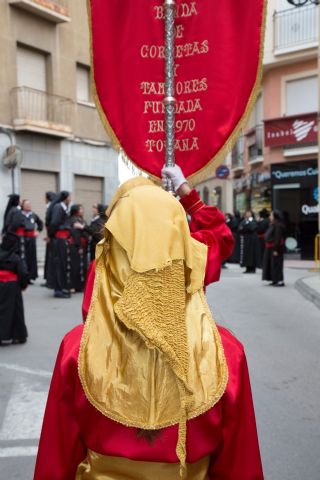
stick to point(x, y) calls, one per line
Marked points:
point(222, 172)
point(316, 194)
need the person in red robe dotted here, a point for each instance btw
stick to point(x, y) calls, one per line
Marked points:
point(87, 434)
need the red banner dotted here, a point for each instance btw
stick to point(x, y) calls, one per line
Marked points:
point(218, 67)
point(296, 130)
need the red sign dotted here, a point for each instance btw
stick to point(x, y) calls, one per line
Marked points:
point(296, 130)
point(218, 57)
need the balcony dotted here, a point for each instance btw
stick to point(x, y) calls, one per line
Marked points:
point(87, 123)
point(37, 111)
point(238, 155)
point(296, 29)
point(53, 10)
point(254, 143)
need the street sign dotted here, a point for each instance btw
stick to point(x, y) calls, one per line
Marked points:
point(222, 172)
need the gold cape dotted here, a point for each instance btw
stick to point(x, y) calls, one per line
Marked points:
point(151, 355)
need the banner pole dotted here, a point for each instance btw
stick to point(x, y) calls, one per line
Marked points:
point(169, 100)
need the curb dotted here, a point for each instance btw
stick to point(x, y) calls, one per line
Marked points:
point(308, 292)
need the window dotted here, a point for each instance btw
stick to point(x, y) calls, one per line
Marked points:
point(83, 84)
point(258, 111)
point(302, 95)
point(31, 68)
point(206, 195)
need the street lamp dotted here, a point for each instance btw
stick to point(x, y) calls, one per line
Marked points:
point(12, 156)
point(301, 3)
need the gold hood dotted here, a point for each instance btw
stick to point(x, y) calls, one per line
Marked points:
point(151, 355)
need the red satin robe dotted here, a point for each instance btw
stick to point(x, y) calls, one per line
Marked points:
point(227, 432)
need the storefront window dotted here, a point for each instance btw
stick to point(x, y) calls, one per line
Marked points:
point(241, 202)
point(295, 193)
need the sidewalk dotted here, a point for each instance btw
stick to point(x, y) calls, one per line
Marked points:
point(309, 287)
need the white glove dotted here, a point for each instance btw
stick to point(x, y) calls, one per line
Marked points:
point(173, 174)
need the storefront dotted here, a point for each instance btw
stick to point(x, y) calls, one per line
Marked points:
point(253, 191)
point(295, 193)
point(260, 197)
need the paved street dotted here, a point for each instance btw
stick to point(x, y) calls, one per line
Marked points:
point(281, 333)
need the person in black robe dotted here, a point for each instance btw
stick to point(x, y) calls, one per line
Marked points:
point(274, 251)
point(78, 248)
point(14, 221)
point(11, 208)
point(50, 200)
point(233, 224)
point(59, 233)
point(263, 225)
point(33, 225)
point(249, 243)
point(96, 227)
point(13, 279)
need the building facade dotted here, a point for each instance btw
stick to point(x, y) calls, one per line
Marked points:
point(46, 107)
point(274, 163)
point(218, 192)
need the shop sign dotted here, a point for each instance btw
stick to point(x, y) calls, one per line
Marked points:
point(296, 130)
point(312, 209)
point(280, 174)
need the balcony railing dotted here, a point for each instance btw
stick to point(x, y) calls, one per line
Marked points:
point(39, 111)
point(296, 29)
point(255, 144)
point(238, 154)
point(87, 123)
point(54, 10)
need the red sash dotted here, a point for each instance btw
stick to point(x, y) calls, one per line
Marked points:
point(8, 276)
point(63, 234)
point(84, 241)
point(20, 231)
point(30, 233)
point(272, 244)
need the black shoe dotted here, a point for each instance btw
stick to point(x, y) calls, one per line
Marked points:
point(272, 284)
point(280, 284)
point(19, 341)
point(59, 294)
point(5, 343)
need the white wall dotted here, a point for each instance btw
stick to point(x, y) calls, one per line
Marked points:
point(84, 159)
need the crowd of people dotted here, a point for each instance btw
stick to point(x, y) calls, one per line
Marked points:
point(70, 247)
point(71, 244)
point(259, 243)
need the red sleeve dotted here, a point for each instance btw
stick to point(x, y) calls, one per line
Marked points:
point(88, 290)
point(61, 449)
point(208, 226)
point(238, 456)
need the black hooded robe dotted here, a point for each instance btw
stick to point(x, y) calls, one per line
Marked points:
point(32, 224)
point(273, 264)
point(12, 322)
point(59, 269)
point(78, 254)
point(249, 244)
